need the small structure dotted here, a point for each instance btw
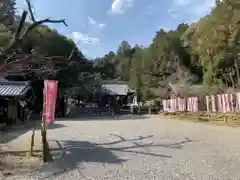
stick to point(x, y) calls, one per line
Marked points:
point(120, 89)
point(15, 97)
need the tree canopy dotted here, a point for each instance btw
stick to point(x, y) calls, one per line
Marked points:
point(205, 52)
point(34, 51)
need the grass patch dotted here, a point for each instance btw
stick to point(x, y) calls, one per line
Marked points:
point(230, 119)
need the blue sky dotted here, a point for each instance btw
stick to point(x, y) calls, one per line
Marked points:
point(98, 26)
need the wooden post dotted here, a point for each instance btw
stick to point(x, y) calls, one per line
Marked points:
point(139, 108)
point(225, 118)
point(150, 108)
point(32, 141)
point(209, 116)
point(44, 131)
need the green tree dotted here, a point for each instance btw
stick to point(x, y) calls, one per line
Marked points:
point(205, 52)
point(7, 12)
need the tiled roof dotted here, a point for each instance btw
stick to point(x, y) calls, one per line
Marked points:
point(116, 89)
point(2, 79)
point(114, 81)
point(13, 88)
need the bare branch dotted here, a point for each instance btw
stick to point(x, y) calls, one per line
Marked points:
point(8, 63)
point(30, 10)
point(38, 23)
point(24, 64)
point(48, 20)
point(11, 62)
point(20, 35)
point(71, 54)
point(20, 25)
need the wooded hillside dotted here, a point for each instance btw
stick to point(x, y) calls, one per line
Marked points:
point(203, 54)
point(206, 52)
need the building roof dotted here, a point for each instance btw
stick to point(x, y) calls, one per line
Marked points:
point(116, 89)
point(2, 79)
point(14, 88)
point(114, 81)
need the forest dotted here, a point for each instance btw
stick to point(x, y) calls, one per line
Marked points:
point(203, 55)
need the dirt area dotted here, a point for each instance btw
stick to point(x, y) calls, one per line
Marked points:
point(14, 150)
point(13, 164)
point(15, 155)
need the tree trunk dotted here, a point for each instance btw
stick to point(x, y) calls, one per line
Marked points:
point(237, 72)
point(232, 79)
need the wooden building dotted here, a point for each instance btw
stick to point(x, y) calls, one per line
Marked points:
point(121, 90)
point(16, 98)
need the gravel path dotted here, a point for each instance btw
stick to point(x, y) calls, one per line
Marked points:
point(141, 148)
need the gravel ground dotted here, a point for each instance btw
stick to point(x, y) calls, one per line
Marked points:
point(140, 148)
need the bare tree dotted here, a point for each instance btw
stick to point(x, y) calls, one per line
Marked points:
point(13, 62)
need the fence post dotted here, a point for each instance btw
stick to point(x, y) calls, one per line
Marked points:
point(208, 109)
point(32, 142)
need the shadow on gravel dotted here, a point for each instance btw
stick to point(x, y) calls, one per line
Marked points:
point(74, 153)
point(71, 155)
point(137, 147)
point(177, 145)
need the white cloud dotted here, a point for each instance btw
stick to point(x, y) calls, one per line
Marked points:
point(182, 2)
point(193, 9)
point(90, 46)
point(173, 13)
point(150, 9)
point(91, 21)
point(79, 37)
point(119, 6)
point(102, 25)
point(203, 8)
point(95, 24)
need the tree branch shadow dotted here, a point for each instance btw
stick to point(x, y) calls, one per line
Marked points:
point(125, 140)
point(177, 145)
point(69, 155)
point(76, 152)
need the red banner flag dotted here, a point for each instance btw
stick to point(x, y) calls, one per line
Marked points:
point(50, 92)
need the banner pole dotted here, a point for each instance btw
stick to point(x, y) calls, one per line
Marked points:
point(44, 130)
point(48, 112)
